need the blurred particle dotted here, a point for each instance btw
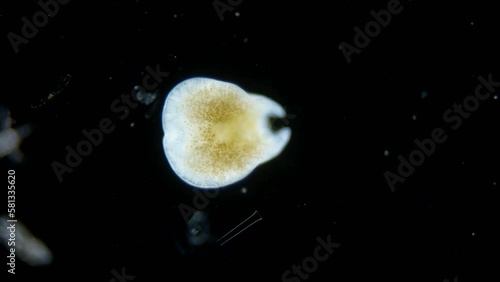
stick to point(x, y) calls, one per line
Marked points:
point(245, 40)
point(424, 94)
point(198, 229)
point(386, 153)
point(28, 248)
point(495, 97)
point(237, 14)
point(144, 97)
point(132, 125)
point(11, 138)
point(414, 117)
point(243, 190)
point(454, 280)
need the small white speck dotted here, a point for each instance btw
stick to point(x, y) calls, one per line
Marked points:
point(495, 97)
point(473, 234)
point(245, 40)
point(132, 124)
point(471, 23)
point(145, 12)
point(494, 184)
point(386, 153)
point(414, 117)
point(463, 163)
point(175, 16)
point(243, 190)
point(424, 94)
point(237, 14)
point(110, 78)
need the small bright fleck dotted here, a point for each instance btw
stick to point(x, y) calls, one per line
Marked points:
point(386, 153)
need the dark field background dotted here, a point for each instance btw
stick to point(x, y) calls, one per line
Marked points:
point(119, 208)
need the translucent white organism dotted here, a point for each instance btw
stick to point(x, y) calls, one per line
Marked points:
point(215, 133)
point(141, 96)
point(27, 247)
point(10, 138)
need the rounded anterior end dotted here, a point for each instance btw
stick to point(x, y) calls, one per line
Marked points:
point(215, 133)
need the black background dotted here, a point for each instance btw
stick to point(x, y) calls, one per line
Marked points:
point(119, 207)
